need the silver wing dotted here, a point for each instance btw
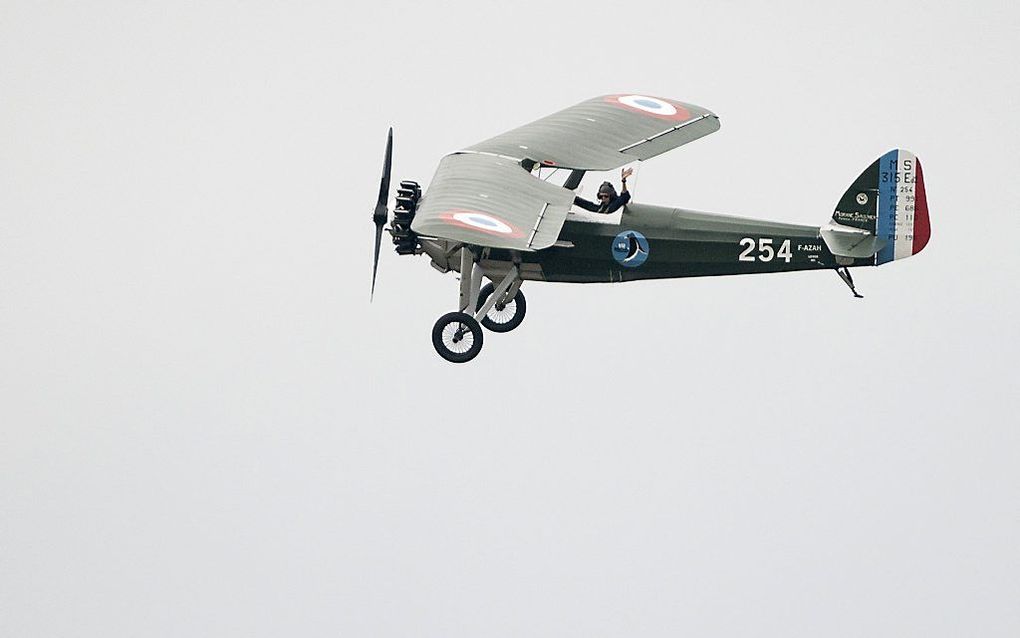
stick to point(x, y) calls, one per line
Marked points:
point(485, 195)
point(605, 132)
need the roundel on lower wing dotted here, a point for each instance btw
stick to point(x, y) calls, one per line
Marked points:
point(476, 220)
point(630, 249)
point(648, 105)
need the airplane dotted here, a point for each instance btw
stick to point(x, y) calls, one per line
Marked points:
point(489, 213)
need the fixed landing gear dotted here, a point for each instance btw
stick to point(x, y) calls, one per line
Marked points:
point(457, 336)
point(506, 313)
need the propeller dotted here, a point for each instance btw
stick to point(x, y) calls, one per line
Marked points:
point(381, 213)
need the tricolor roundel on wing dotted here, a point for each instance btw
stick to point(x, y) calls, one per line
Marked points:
point(653, 106)
point(484, 222)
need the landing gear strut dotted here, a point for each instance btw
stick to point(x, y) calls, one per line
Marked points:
point(457, 336)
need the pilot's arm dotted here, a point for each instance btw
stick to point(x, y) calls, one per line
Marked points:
point(585, 204)
point(620, 201)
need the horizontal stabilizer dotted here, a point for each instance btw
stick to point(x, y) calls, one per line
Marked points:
point(847, 241)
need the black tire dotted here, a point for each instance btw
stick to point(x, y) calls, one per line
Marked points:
point(457, 337)
point(502, 318)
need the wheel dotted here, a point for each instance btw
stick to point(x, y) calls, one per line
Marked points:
point(502, 317)
point(457, 337)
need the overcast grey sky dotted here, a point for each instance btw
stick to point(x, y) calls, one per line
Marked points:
point(206, 430)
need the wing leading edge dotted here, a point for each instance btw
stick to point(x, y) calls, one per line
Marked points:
point(605, 132)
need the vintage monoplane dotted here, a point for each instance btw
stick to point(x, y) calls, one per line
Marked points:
point(489, 213)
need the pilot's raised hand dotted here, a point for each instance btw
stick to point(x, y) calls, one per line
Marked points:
point(624, 174)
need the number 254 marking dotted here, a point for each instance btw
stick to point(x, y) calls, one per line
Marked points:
point(765, 250)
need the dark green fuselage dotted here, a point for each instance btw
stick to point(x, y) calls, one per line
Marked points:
point(677, 243)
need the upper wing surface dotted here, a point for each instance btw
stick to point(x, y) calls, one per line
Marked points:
point(491, 201)
point(605, 132)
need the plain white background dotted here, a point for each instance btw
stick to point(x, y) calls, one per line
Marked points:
point(207, 430)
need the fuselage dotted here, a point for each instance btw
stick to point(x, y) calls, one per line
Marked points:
point(658, 242)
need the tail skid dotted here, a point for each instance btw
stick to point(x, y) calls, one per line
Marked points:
point(844, 274)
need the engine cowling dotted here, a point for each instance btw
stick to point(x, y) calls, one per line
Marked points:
point(405, 240)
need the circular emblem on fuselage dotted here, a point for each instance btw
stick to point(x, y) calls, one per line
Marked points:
point(630, 249)
point(477, 220)
point(862, 198)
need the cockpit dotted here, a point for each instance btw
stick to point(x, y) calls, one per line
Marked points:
point(585, 184)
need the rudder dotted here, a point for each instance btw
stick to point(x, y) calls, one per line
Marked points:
point(888, 203)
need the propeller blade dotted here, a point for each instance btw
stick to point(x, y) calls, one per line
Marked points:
point(384, 184)
point(381, 214)
point(375, 262)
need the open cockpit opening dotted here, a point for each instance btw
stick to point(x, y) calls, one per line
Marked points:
point(586, 186)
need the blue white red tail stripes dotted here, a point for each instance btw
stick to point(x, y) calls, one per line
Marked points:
point(902, 219)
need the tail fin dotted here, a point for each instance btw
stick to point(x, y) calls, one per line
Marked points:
point(884, 213)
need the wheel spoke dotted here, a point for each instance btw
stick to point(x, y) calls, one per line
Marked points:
point(505, 313)
point(457, 337)
point(502, 315)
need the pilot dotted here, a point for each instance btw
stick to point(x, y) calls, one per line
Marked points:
point(609, 201)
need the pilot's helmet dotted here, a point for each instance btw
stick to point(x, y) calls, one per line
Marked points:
point(607, 188)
